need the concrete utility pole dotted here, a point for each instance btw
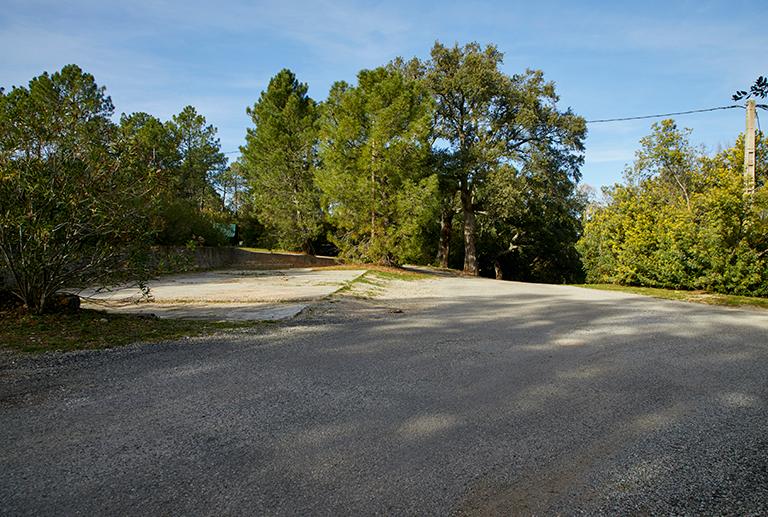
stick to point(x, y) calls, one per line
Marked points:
point(749, 150)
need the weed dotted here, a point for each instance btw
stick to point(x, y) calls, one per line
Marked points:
point(687, 296)
point(91, 329)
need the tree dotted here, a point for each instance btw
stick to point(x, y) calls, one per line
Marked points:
point(232, 187)
point(155, 152)
point(200, 155)
point(533, 223)
point(155, 146)
point(448, 186)
point(489, 119)
point(376, 181)
point(185, 161)
point(666, 154)
point(649, 234)
point(279, 160)
point(759, 89)
point(74, 206)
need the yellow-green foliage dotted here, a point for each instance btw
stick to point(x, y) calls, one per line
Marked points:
point(709, 236)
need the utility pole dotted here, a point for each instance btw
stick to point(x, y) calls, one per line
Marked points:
point(749, 150)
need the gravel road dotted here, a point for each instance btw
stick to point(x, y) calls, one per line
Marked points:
point(444, 396)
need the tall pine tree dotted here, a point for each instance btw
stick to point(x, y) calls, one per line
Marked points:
point(279, 159)
point(376, 179)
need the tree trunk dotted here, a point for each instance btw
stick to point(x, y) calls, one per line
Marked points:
point(373, 192)
point(470, 232)
point(446, 229)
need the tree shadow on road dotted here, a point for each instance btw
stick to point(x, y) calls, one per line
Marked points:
point(528, 403)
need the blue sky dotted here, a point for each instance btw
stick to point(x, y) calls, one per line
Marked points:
point(608, 59)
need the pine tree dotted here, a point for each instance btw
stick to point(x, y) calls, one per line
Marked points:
point(376, 182)
point(279, 159)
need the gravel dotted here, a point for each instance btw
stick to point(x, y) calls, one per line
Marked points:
point(453, 395)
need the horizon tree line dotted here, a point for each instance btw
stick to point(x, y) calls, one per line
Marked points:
point(446, 160)
point(381, 169)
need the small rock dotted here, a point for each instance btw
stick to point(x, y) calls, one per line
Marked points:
point(63, 303)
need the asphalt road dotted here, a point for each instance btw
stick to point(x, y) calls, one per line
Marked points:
point(480, 397)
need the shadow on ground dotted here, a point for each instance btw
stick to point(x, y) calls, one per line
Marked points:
point(523, 400)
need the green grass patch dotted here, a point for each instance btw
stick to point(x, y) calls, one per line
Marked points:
point(371, 282)
point(350, 285)
point(686, 296)
point(267, 250)
point(384, 272)
point(398, 274)
point(368, 279)
point(91, 330)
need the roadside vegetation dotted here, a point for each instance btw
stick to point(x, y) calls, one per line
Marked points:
point(83, 198)
point(686, 296)
point(445, 160)
point(401, 275)
point(681, 220)
point(89, 330)
point(375, 278)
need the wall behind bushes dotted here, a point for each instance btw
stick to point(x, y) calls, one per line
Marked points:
point(179, 259)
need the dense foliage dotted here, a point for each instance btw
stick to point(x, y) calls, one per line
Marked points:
point(414, 144)
point(184, 158)
point(279, 160)
point(532, 223)
point(377, 189)
point(73, 206)
point(682, 220)
point(82, 198)
point(495, 126)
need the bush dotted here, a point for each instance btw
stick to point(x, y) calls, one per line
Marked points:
point(714, 238)
point(73, 212)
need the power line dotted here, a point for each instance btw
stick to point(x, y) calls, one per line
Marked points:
point(663, 114)
point(761, 106)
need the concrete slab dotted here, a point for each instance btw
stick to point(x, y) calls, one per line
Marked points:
point(230, 295)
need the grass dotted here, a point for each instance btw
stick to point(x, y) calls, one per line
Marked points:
point(350, 285)
point(91, 330)
point(376, 277)
point(686, 296)
point(267, 250)
point(398, 274)
point(383, 272)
